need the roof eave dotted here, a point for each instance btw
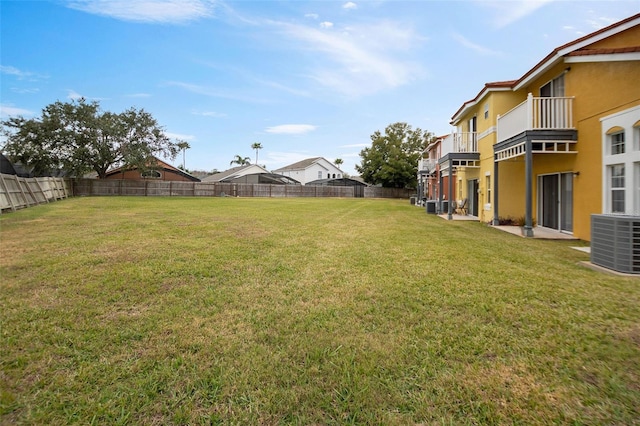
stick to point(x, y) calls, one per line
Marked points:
point(538, 70)
point(559, 53)
point(472, 103)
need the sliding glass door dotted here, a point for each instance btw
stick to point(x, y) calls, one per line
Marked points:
point(555, 207)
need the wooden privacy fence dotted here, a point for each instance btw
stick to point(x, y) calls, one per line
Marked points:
point(17, 192)
point(97, 187)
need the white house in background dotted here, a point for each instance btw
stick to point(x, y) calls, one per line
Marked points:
point(236, 172)
point(311, 169)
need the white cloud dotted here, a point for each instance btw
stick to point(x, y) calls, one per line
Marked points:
point(485, 51)
point(5, 69)
point(283, 88)
point(20, 74)
point(138, 95)
point(179, 136)
point(211, 114)
point(326, 24)
point(600, 22)
point(73, 95)
point(350, 5)
point(355, 145)
point(11, 111)
point(311, 15)
point(29, 90)
point(153, 11)
point(363, 59)
point(216, 93)
point(508, 12)
point(291, 129)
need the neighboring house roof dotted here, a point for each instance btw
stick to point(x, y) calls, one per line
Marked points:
point(235, 172)
point(262, 178)
point(18, 169)
point(305, 164)
point(6, 167)
point(161, 164)
point(434, 143)
point(337, 182)
point(301, 165)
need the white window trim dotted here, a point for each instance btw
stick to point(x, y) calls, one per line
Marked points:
point(611, 189)
point(630, 158)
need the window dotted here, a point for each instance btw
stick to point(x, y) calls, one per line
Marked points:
point(486, 111)
point(616, 185)
point(488, 184)
point(621, 159)
point(151, 174)
point(617, 143)
point(554, 88)
point(320, 174)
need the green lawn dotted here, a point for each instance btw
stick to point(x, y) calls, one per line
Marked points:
point(127, 310)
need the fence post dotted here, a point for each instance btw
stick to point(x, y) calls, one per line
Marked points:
point(24, 196)
point(6, 191)
point(64, 188)
point(35, 200)
point(41, 190)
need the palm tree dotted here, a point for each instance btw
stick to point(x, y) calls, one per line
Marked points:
point(241, 161)
point(183, 145)
point(338, 162)
point(257, 146)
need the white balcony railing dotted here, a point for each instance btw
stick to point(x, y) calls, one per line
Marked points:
point(427, 164)
point(554, 113)
point(465, 142)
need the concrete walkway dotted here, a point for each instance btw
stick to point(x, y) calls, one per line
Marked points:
point(459, 217)
point(538, 231)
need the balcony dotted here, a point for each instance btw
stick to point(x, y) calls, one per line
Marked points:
point(554, 113)
point(427, 165)
point(465, 142)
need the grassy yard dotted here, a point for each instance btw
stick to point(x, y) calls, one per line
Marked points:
point(127, 310)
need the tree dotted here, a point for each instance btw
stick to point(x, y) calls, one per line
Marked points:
point(78, 137)
point(338, 162)
point(241, 161)
point(257, 146)
point(183, 146)
point(392, 159)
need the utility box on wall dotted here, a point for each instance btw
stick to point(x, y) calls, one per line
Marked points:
point(615, 242)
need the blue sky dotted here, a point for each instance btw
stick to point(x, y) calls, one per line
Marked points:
point(303, 78)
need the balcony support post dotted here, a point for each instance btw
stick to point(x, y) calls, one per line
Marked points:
point(440, 191)
point(450, 206)
point(528, 171)
point(496, 218)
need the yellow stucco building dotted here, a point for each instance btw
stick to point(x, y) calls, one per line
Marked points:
point(558, 144)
